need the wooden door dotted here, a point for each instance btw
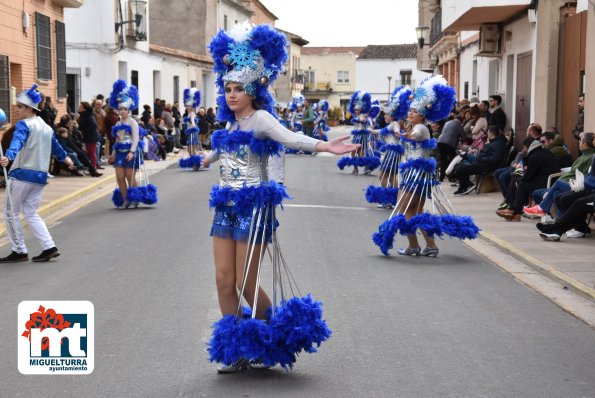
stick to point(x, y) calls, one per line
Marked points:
point(523, 97)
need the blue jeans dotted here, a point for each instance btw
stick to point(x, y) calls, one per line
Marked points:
point(556, 189)
point(503, 176)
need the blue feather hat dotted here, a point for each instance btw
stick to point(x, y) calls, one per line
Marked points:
point(30, 97)
point(434, 98)
point(360, 100)
point(251, 56)
point(192, 97)
point(375, 109)
point(297, 100)
point(323, 105)
point(399, 102)
point(123, 95)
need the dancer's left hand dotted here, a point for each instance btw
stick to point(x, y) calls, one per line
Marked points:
point(4, 161)
point(337, 146)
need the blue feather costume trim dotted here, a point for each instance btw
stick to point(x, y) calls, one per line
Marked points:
point(461, 227)
point(430, 143)
point(383, 196)
point(121, 127)
point(371, 162)
point(194, 161)
point(117, 198)
point(224, 141)
point(296, 325)
point(149, 194)
point(245, 199)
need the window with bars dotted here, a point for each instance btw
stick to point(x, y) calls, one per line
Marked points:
point(5, 86)
point(44, 46)
point(406, 77)
point(61, 59)
point(343, 76)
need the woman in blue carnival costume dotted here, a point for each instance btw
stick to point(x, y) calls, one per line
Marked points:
point(127, 153)
point(297, 112)
point(395, 110)
point(321, 128)
point(433, 101)
point(190, 122)
point(360, 106)
point(273, 332)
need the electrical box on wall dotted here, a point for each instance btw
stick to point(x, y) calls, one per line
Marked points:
point(489, 40)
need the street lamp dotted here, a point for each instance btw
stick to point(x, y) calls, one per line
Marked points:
point(139, 9)
point(389, 77)
point(422, 33)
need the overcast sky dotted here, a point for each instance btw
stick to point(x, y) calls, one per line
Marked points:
point(347, 22)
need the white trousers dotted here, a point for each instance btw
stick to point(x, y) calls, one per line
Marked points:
point(25, 197)
point(277, 167)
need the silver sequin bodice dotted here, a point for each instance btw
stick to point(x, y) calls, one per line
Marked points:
point(242, 168)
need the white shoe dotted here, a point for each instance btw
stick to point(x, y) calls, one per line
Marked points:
point(258, 364)
point(234, 367)
point(573, 233)
point(176, 150)
point(51, 175)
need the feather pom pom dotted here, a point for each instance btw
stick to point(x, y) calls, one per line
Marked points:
point(134, 195)
point(194, 161)
point(117, 198)
point(383, 196)
point(149, 194)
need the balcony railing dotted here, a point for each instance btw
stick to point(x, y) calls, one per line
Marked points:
point(317, 86)
point(436, 28)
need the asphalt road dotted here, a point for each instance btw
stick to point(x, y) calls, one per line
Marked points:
point(454, 326)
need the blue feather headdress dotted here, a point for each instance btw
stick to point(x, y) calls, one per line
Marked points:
point(251, 56)
point(192, 97)
point(323, 105)
point(434, 98)
point(297, 100)
point(360, 100)
point(375, 109)
point(30, 97)
point(123, 95)
point(399, 102)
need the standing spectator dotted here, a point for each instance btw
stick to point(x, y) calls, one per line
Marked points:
point(496, 117)
point(157, 108)
point(175, 110)
point(580, 124)
point(146, 114)
point(485, 107)
point(168, 120)
point(88, 126)
point(452, 135)
point(308, 120)
point(213, 119)
point(99, 114)
point(49, 113)
point(111, 118)
point(203, 127)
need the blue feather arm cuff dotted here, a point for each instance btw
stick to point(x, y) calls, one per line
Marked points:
point(297, 325)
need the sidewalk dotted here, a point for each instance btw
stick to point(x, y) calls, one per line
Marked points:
point(568, 262)
point(64, 190)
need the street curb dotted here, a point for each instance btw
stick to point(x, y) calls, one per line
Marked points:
point(60, 202)
point(540, 266)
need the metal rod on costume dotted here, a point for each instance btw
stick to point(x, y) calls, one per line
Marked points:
point(260, 254)
point(247, 258)
point(9, 196)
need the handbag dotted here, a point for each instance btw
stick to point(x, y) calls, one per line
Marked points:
point(456, 160)
point(577, 184)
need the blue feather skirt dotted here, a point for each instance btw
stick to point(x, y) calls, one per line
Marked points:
point(295, 325)
point(418, 177)
point(192, 162)
point(389, 169)
point(365, 157)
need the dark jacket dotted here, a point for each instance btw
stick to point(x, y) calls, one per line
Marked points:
point(497, 118)
point(88, 126)
point(492, 155)
point(540, 163)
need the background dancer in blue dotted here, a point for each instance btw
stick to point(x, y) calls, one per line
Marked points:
point(433, 101)
point(360, 106)
point(190, 122)
point(273, 331)
point(396, 109)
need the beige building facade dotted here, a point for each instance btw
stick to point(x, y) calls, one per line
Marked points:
point(330, 73)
